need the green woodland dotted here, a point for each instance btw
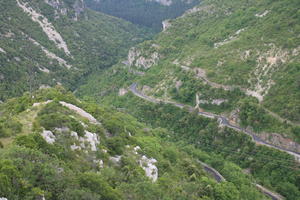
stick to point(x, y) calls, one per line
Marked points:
point(80, 133)
point(31, 168)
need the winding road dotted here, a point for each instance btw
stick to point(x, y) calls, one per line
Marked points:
point(223, 121)
point(219, 178)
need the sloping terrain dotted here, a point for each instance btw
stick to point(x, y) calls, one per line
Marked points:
point(240, 59)
point(44, 43)
point(148, 13)
point(78, 150)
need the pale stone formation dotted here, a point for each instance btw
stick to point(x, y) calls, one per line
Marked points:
point(92, 139)
point(99, 163)
point(45, 70)
point(262, 14)
point(48, 136)
point(2, 50)
point(163, 2)
point(166, 24)
point(148, 165)
point(230, 39)
point(115, 159)
point(89, 138)
point(51, 55)
point(267, 63)
point(80, 111)
point(135, 58)
point(47, 27)
point(41, 103)
point(122, 92)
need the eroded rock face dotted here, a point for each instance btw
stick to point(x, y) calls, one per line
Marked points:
point(54, 3)
point(78, 8)
point(61, 8)
point(279, 140)
point(148, 165)
point(81, 112)
point(90, 140)
point(122, 91)
point(267, 64)
point(163, 2)
point(166, 24)
point(48, 136)
point(2, 50)
point(46, 26)
point(135, 58)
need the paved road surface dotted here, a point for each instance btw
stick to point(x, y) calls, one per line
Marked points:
point(225, 122)
point(221, 119)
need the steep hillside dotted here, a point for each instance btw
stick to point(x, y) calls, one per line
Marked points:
point(150, 13)
point(67, 149)
point(237, 58)
point(44, 43)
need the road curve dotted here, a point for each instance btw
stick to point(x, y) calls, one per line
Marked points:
point(219, 178)
point(221, 119)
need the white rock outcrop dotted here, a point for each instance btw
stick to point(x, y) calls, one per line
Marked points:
point(135, 58)
point(267, 63)
point(122, 91)
point(81, 112)
point(166, 24)
point(89, 140)
point(41, 103)
point(48, 136)
point(262, 14)
point(51, 55)
point(230, 39)
point(99, 163)
point(92, 139)
point(163, 2)
point(148, 165)
point(115, 159)
point(46, 26)
point(2, 50)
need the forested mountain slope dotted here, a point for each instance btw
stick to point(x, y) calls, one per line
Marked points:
point(54, 146)
point(150, 13)
point(49, 42)
point(237, 58)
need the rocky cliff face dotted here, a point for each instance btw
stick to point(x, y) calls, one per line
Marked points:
point(138, 58)
point(163, 2)
point(61, 7)
point(281, 141)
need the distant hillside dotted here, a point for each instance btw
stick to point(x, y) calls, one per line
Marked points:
point(44, 43)
point(150, 13)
